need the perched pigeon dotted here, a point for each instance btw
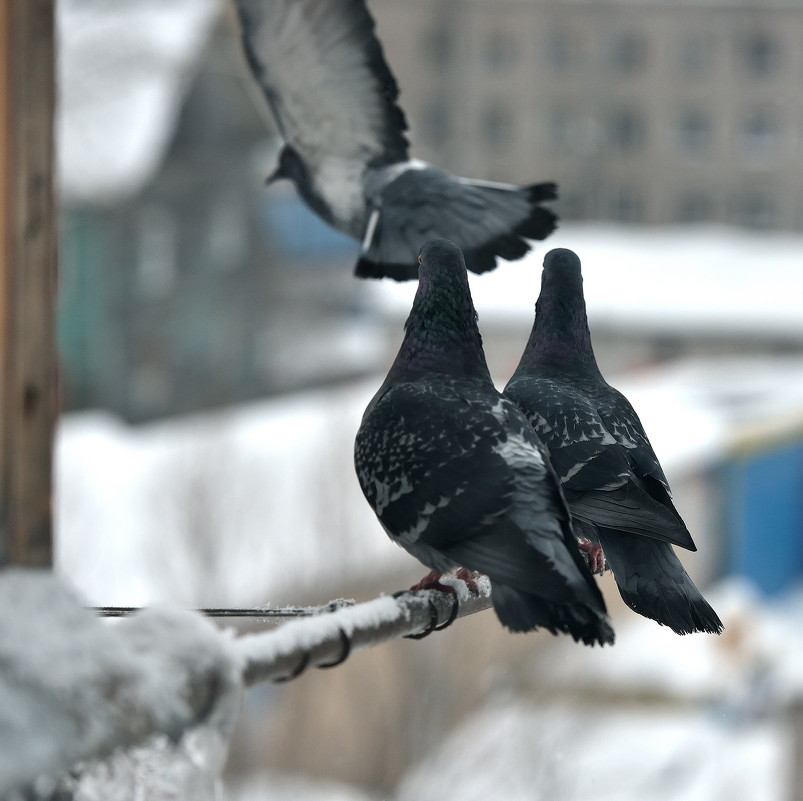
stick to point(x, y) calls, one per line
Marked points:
point(615, 487)
point(324, 75)
point(456, 475)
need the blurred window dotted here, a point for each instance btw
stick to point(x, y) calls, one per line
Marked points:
point(626, 130)
point(760, 136)
point(761, 54)
point(755, 209)
point(626, 53)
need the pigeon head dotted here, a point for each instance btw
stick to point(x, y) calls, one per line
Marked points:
point(441, 333)
point(560, 335)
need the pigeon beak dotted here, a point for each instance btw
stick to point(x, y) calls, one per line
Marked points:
point(276, 175)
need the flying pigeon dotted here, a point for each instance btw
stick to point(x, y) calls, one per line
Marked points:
point(616, 490)
point(323, 72)
point(456, 474)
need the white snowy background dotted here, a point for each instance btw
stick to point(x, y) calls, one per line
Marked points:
point(258, 505)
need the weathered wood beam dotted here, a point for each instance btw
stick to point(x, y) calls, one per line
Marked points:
point(28, 236)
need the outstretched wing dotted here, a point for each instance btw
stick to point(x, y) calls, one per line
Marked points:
point(323, 72)
point(484, 220)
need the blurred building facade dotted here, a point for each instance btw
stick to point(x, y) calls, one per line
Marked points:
point(647, 112)
point(190, 286)
point(200, 288)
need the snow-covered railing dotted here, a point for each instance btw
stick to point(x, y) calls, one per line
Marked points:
point(75, 689)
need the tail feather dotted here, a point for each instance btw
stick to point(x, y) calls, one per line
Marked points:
point(519, 612)
point(653, 582)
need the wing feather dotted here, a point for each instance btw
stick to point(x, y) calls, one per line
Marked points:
point(323, 72)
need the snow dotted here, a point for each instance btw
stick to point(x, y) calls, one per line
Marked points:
point(162, 770)
point(250, 506)
point(521, 752)
point(73, 687)
point(656, 717)
point(701, 280)
point(123, 70)
point(277, 787)
point(260, 505)
point(308, 632)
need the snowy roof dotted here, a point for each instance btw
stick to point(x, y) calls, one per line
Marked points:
point(701, 280)
point(222, 507)
point(123, 71)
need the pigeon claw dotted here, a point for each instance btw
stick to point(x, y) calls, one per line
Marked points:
point(470, 577)
point(432, 581)
point(595, 558)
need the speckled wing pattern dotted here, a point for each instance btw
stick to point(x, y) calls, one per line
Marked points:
point(608, 469)
point(456, 477)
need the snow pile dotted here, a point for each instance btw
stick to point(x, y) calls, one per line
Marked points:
point(655, 717)
point(699, 280)
point(242, 507)
point(74, 688)
point(260, 504)
point(123, 70)
point(525, 753)
point(162, 770)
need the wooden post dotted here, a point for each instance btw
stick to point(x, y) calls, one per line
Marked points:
point(28, 362)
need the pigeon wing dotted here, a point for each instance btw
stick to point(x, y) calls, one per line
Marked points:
point(437, 468)
point(483, 219)
point(605, 464)
point(425, 464)
point(323, 72)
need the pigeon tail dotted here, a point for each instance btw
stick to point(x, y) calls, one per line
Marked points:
point(653, 583)
point(519, 611)
point(539, 224)
point(488, 221)
point(368, 268)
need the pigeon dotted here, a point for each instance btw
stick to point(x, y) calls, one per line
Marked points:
point(617, 492)
point(456, 475)
point(322, 70)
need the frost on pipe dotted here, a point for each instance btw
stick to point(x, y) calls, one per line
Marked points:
point(326, 640)
point(161, 687)
point(74, 688)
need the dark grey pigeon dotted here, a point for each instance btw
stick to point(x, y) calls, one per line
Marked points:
point(456, 475)
point(324, 75)
point(617, 492)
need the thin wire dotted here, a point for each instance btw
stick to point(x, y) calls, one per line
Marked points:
point(284, 612)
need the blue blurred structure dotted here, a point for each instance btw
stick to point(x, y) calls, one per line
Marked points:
point(299, 233)
point(763, 514)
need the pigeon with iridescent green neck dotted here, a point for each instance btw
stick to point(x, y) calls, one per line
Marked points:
point(458, 478)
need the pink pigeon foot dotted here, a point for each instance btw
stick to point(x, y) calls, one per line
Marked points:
point(470, 577)
point(432, 581)
point(595, 558)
